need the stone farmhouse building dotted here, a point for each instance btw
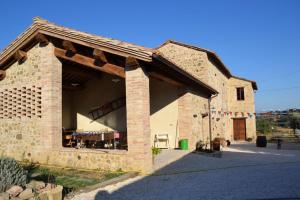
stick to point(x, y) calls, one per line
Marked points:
point(73, 99)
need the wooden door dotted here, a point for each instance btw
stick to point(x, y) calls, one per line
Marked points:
point(239, 129)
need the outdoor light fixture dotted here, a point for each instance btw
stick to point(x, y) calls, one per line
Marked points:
point(115, 80)
point(74, 84)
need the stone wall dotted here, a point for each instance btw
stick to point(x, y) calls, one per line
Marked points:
point(20, 131)
point(246, 106)
point(34, 132)
point(205, 69)
point(200, 119)
point(190, 60)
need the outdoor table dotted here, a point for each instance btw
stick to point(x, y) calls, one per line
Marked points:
point(83, 136)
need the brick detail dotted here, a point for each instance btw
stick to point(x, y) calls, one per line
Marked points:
point(185, 117)
point(51, 97)
point(138, 119)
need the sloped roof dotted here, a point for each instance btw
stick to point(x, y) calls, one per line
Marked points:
point(106, 44)
point(254, 85)
point(222, 66)
point(94, 41)
point(51, 29)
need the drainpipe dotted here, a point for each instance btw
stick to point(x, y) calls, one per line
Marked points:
point(209, 119)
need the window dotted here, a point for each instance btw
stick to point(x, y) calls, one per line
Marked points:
point(240, 94)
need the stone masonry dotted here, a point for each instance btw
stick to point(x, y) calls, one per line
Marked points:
point(198, 63)
point(31, 110)
point(33, 132)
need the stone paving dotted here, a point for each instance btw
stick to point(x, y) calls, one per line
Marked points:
point(243, 172)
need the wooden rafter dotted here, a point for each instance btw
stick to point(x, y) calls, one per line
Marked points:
point(21, 56)
point(99, 55)
point(132, 63)
point(166, 79)
point(42, 39)
point(69, 46)
point(90, 62)
point(2, 74)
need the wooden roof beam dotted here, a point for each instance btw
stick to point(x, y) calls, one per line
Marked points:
point(69, 46)
point(99, 55)
point(2, 74)
point(90, 62)
point(132, 63)
point(42, 39)
point(20, 56)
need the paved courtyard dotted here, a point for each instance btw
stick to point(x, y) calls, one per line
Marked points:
point(243, 172)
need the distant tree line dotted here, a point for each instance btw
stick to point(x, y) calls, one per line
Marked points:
point(267, 125)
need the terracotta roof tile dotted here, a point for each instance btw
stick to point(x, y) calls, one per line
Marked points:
point(48, 27)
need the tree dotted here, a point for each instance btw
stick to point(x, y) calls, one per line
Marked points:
point(294, 122)
point(264, 125)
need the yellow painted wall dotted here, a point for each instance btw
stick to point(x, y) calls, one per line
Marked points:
point(77, 104)
point(163, 110)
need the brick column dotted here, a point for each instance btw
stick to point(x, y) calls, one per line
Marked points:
point(185, 117)
point(138, 118)
point(51, 83)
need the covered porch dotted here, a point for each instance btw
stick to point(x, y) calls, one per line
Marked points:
point(103, 100)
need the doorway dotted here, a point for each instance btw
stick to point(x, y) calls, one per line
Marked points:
point(239, 129)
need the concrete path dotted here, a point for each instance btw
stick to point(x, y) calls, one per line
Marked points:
point(243, 172)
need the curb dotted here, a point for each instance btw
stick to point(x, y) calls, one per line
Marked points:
point(108, 182)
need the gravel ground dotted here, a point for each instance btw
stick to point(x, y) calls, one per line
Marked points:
point(243, 172)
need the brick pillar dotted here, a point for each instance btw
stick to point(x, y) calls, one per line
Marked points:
point(185, 117)
point(51, 83)
point(138, 118)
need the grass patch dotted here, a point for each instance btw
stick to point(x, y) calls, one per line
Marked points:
point(70, 179)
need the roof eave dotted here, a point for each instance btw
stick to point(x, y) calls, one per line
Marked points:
point(209, 52)
point(253, 83)
point(42, 26)
point(204, 86)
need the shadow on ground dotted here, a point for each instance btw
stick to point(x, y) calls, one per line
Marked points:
point(243, 172)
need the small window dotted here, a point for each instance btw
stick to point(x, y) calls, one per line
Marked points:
point(240, 94)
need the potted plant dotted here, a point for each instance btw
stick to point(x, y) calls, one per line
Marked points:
point(216, 144)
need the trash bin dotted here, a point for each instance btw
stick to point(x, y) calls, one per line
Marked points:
point(261, 141)
point(184, 144)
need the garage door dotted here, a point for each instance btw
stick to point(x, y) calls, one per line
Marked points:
point(239, 129)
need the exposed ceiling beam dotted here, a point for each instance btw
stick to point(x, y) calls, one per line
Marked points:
point(21, 56)
point(166, 79)
point(99, 55)
point(90, 62)
point(2, 74)
point(132, 63)
point(69, 46)
point(42, 39)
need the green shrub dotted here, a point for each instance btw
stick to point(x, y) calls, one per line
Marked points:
point(264, 126)
point(156, 151)
point(11, 173)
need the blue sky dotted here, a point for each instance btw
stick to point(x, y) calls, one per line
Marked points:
point(259, 40)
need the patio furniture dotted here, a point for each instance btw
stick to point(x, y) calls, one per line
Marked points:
point(91, 139)
point(162, 138)
point(70, 141)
